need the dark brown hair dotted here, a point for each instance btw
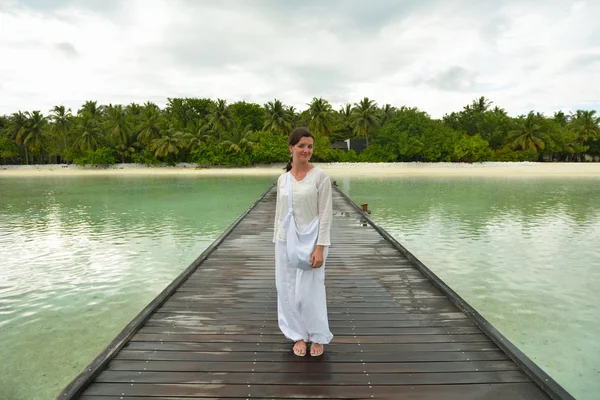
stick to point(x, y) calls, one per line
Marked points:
point(293, 140)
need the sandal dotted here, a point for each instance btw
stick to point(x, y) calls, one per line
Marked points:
point(300, 351)
point(316, 353)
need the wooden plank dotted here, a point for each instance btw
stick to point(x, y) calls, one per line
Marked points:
point(330, 310)
point(241, 316)
point(513, 391)
point(316, 367)
point(286, 346)
point(426, 333)
point(341, 338)
point(170, 319)
point(403, 356)
point(283, 377)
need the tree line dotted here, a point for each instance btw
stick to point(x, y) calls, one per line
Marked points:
point(212, 132)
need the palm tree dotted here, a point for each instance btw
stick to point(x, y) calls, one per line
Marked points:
point(294, 115)
point(35, 130)
point(386, 113)
point(239, 139)
point(148, 129)
point(196, 134)
point(17, 126)
point(365, 116)
point(345, 115)
point(586, 125)
point(126, 150)
point(501, 112)
point(169, 143)
point(481, 105)
point(151, 106)
point(92, 108)
point(526, 133)
point(321, 116)
point(220, 117)
point(561, 118)
point(62, 119)
point(88, 132)
point(133, 109)
point(277, 118)
point(117, 125)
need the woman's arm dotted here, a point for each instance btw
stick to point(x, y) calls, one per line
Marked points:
point(325, 208)
point(277, 213)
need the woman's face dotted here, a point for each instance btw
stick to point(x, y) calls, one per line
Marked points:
point(302, 150)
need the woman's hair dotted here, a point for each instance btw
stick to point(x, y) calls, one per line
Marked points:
point(293, 140)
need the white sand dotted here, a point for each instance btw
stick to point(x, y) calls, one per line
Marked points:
point(336, 170)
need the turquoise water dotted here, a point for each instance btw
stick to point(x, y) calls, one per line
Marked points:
point(83, 256)
point(524, 252)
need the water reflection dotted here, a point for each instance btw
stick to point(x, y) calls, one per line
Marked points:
point(81, 257)
point(523, 252)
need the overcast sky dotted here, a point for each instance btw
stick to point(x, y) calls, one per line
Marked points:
point(435, 55)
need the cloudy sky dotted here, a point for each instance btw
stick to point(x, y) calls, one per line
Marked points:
point(433, 54)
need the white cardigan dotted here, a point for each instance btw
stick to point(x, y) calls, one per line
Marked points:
point(311, 197)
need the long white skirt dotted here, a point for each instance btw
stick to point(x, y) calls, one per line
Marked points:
point(301, 299)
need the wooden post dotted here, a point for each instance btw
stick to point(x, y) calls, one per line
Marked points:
point(365, 207)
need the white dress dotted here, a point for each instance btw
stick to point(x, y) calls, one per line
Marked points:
point(301, 295)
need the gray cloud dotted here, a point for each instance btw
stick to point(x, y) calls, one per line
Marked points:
point(455, 78)
point(320, 81)
point(44, 4)
point(494, 28)
point(585, 60)
point(67, 49)
point(350, 15)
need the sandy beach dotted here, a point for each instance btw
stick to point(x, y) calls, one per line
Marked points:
point(336, 170)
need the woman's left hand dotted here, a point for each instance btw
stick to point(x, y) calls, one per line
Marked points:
point(316, 259)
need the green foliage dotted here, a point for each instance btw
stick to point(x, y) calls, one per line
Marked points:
point(270, 148)
point(8, 149)
point(365, 116)
point(71, 153)
point(322, 149)
point(320, 116)
point(277, 117)
point(378, 153)
point(471, 149)
point(212, 154)
point(103, 156)
point(479, 118)
point(508, 155)
point(338, 155)
point(187, 109)
point(245, 114)
point(216, 133)
point(438, 143)
point(146, 157)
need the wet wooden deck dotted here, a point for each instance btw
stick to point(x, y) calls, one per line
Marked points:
point(213, 332)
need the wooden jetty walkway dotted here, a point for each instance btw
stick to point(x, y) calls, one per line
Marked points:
point(400, 333)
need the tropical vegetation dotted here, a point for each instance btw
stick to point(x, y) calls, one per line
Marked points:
point(212, 132)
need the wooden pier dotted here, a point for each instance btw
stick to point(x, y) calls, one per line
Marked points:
point(400, 332)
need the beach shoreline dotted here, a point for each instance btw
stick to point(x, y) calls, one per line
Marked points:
point(489, 169)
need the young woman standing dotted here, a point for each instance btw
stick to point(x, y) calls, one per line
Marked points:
point(301, 295)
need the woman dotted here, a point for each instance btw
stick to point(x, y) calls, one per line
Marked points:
point(301, 297)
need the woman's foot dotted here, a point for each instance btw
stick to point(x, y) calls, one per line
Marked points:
point(300, 348)
point(316, 349)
